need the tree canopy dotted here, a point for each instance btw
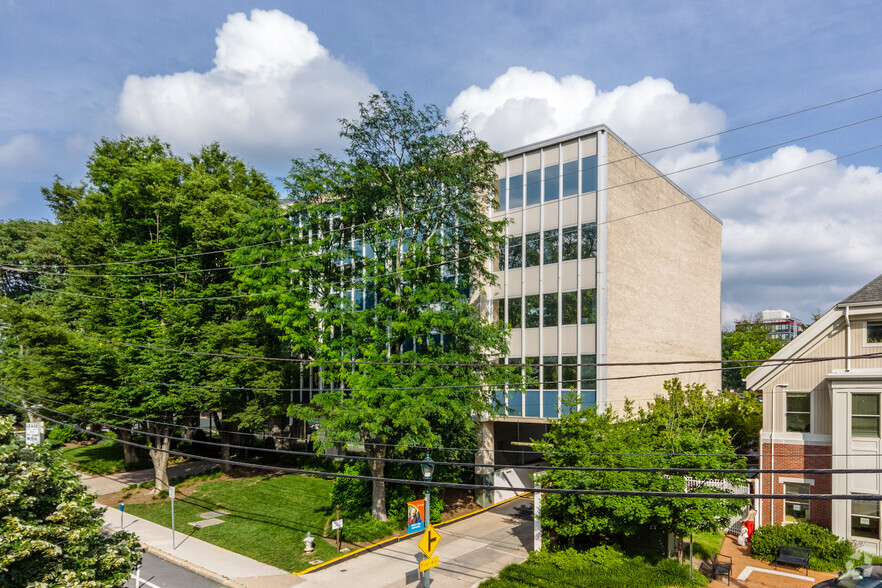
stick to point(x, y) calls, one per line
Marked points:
point(750, 340)
point(50, 530)
point(387, 250)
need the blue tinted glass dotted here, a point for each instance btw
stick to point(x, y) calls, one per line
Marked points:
point(516, 191)
point(514, 402)
point(552, 187)
point(359, 299)
point(589, 174)
point(549, 404)
point(589, 398)
point(571, 178)
point(502, 194)
point(499, 403)
point(534, 187)
point(531, 408)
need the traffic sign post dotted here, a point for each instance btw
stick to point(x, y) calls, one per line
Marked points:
point(428, 563)
point(429, 542)
point(121, 508)
point(338, 524)
point(171, 494)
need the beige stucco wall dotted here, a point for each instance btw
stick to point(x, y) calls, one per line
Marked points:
point(663, 284)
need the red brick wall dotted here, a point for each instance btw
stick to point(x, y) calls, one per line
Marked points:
point(796, 457)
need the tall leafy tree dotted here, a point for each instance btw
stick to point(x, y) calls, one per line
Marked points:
point(750, 340)
point(50, 530)
point(385, 253)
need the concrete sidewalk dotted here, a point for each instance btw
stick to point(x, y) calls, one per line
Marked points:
point(108, 484)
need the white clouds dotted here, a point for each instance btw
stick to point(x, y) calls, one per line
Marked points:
point(273, 94)
point(19, 150)
point(801, 241)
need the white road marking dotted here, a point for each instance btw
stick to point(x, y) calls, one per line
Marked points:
point(144, 583)
point(746, 572)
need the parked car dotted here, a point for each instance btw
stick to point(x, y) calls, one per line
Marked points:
point(866, 576)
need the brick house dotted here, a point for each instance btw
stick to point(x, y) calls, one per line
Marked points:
point(821, 409)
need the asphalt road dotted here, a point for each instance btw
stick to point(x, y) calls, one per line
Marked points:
point(158, 573)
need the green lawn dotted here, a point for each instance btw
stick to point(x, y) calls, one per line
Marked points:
point(269, 517)
point(706, 544)
point(105, 457)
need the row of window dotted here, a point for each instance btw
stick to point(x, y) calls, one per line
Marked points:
point(555, 309)
point(551, 246)
point(548, 183)
point(864, 513)
point(544, 383)
point(865, 414)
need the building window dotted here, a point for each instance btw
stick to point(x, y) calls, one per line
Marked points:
point(589, 240)
point(514, 312)
point(514, 252)
point(550, 249)
point(874, 332)
point(549, 310)
point(865, 519)
point(568, 308)
point(501, 193)
point(799, 412)
point(534, 187)
point(499, 309)
point(796, 510)
point(516, 191)
point(570, 178)
point(589, 174)
point(531, 311)
point(532, 254)
point(589, 307)
point(552, 181)
point(549, 371)
point(531, 373)
point(569, 243)
point(865, 415)
point(500, 262)
point(569, 373)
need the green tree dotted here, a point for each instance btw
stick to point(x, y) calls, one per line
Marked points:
point(673, 431)
point(50, 530)
point(386, 251)
point(750, 340)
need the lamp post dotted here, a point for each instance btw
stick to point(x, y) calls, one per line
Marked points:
point(428, 467)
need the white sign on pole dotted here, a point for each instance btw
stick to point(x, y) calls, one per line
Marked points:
point(171, 492)
point(338, 524)
point(34, 433)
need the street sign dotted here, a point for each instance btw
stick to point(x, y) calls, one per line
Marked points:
point(171, 492)
point(428, 564)
point(429, 541)
point(34, 433)
point(338, 524)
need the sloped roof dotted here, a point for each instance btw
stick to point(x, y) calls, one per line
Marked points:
point(872, 292)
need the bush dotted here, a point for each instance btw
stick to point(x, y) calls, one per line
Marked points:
point(829, 552)
point(62, 435)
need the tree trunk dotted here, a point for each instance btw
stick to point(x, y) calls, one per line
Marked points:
point(680, 549)
point(224, 430)
point(130, 455)
point(378, 487)
point(159, 457)
point(279, 427)
point(189, 428)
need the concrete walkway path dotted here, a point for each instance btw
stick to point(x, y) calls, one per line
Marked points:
point(108, 484)
point(753, 573)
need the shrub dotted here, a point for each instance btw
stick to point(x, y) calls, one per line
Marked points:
point(62, 435)
point(829, 553)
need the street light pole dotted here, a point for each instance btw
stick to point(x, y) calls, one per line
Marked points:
point(428, 467)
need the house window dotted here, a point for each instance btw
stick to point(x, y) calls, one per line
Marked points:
point(568, 308)
point(799, 412)
point(569, 243)
point(549, 310)
point(865, 415)
point(514, 313)
point(874, 332)
point(531, 311)
point(796, 510)
point(550, 247)
point(514, 253)
point(865, 519)
point(531, 251)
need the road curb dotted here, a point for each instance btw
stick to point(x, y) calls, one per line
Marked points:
point(191, 567)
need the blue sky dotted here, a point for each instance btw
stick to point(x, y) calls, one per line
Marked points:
point(269, 82)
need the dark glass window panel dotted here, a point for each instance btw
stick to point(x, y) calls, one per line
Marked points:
point(589, 240)
point(865, 404)
point(358, 299)
point(499, 400)
point(569, 373)
point(589, 174)
point(799, 402)
point(534, 187)
point(865, 426)
point(874, 332)
point(865, 508)
point(499, 309)
point(589, 307)
point(549, 310)
point(799, 422)
point(589, 372)
point(589, 399)
point(568, 308)
point(552, 182)
point(549, 371)
point(550, 248)
point(531, 371)
point(570, 178)
point(867, 527)
point(796, 511)
point(531, 404)
point(514, 312)
point(515, 253)
point(549, 404)
point(370, 300)
point(516, 191)
point(569, 243)
point(532, 255)
point(515, 399)
point(531, 311)
point(500, 266)
point(501, 195)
